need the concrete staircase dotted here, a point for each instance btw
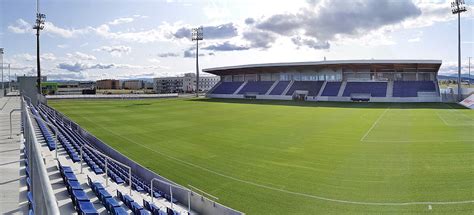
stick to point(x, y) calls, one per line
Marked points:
point(390, 89)
point(343, 87)
point(322, 88)
point(287, 88)
point(271, 88)
point(241, 86)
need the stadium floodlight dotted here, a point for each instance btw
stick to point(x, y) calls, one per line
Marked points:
point(196, 35)
point(39, 25)
point(457, 7)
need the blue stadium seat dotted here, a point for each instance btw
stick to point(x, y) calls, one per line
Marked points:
point(86, 208)
point(375, 89)
point(411, 88)
point(331, 89)
point(312, 87)
point(227, 87)
point(258, 87)
point(279, 88)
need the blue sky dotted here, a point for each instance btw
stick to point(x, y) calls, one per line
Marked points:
point(95, 39)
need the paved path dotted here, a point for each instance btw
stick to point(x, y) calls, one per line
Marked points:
point(12, 180)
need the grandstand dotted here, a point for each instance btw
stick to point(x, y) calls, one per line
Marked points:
point(347, 80)
point(67, 171)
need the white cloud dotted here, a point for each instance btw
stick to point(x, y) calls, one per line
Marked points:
point(115, 50)
point(154, 60)
point(53, 30)
point(21, 27)
point(81, 56)
point(122, 20)
point(162, 33)
point(48, 57)
point(24, 57)
point(414, 40)
point(62, 46)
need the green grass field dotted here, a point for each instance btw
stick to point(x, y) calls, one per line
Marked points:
point(269, 157)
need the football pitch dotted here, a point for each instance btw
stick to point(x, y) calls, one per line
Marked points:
point(285, 157)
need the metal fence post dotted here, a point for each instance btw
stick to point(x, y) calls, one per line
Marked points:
point(106, 173)
point(81, 157)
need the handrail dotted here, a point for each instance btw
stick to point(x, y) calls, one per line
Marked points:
point(13, 110)
point(171, 191)
point(44, 194)
point(106, 166)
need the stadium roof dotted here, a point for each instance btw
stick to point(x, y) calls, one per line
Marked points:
point(373, 64)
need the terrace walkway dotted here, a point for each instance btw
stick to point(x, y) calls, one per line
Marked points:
point(12, 180)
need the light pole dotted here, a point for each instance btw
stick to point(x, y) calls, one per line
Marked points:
point(196, 35)
point(1, 63)
point(469, 80)
point(39, 25)
point(457, 7)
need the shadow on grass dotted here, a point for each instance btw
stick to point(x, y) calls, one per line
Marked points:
point(334, 104)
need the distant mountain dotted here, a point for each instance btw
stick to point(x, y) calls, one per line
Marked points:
point(141, 79)
point(455, 77)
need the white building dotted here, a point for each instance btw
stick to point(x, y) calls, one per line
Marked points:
point(184, 84)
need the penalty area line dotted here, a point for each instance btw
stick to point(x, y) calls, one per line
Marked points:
point(373, 125)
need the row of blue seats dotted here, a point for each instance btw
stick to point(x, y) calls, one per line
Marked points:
point(29, 195)
point(375, 89)
point(79, 198)
point(411, 88)
point(156, 210)
point(44, 130)
point(130, 203)
point(312, 87)
point(112, 206)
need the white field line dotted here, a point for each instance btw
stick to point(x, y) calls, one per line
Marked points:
point(373, 125)
point(417, 141)
point(457, 111)
point(469, 123)
point(282, 190)
point(442, 119)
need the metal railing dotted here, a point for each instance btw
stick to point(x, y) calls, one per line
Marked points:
point(42, 192)
point(171, 191)
point(107, 158)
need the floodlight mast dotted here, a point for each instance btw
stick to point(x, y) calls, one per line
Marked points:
point(39, 25)
point(196, 35)
point(1, 63)
point(457, 7)
point(469, 80)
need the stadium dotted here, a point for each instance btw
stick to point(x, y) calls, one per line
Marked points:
point(350, 80)
point(104, 130)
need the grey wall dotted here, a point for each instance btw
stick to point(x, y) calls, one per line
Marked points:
point(28, 88)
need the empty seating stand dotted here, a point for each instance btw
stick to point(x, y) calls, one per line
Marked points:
point(375, 89)
point(411, 88)
point(331, 89)
point(227, 88)
point(257, 87)
point(312, 87)
point(280, 88)
point(72, 142)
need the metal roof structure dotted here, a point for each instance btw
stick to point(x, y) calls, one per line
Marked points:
point(351, 64)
